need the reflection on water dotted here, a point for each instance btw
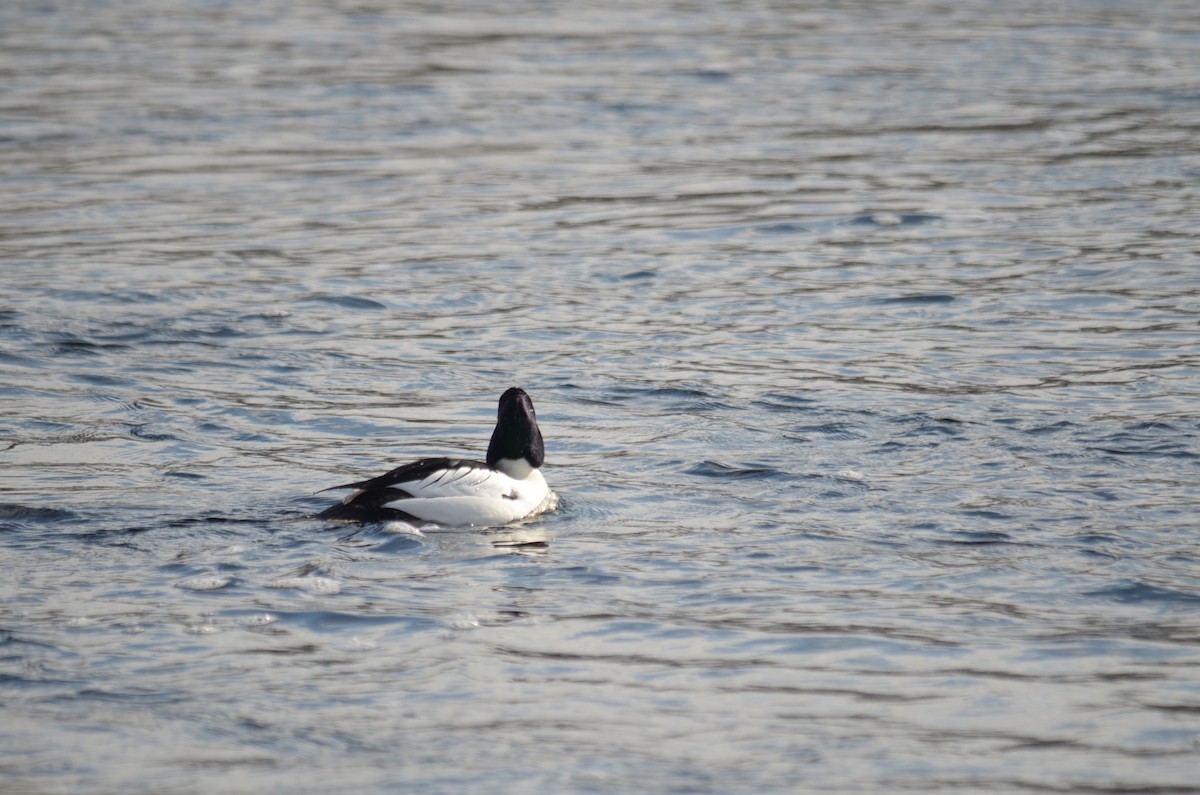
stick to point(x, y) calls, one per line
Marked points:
point(863, 340)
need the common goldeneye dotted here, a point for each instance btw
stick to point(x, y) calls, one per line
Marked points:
point(454, 491)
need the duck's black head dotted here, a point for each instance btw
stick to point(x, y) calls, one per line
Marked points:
point(517, 434)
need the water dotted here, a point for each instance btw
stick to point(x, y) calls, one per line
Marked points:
point(863, 336)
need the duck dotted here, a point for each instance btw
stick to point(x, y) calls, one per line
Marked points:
point(507, 487)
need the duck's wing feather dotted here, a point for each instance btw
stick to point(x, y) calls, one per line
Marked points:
point(456, 484)
point(437, 478)
point(369, 506)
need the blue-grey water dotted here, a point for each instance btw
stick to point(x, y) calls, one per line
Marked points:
point(865, 339)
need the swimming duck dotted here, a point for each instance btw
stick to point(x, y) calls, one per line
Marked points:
point(454, 491)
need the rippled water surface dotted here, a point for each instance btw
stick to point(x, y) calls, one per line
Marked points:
point(864, 337)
